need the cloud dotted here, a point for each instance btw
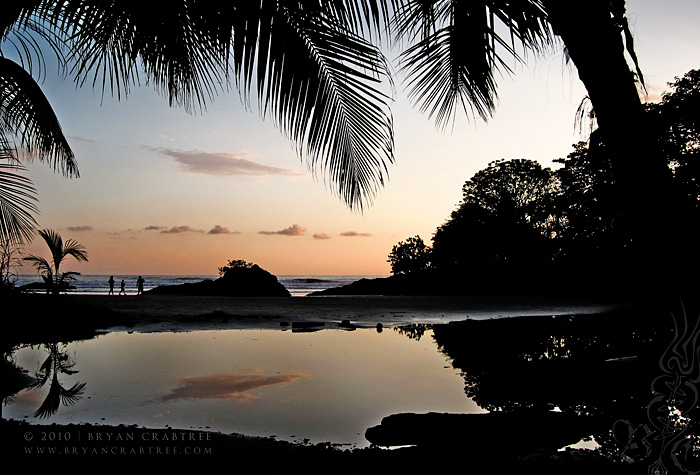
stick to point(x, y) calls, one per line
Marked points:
point(354, 234)
point(181, 229)
point(227, 385)
point(218, 229)
point(154, 228)
point(79, 228)
point(220, 163)
point(293, 230)
point(321, 236)
point(81, 139)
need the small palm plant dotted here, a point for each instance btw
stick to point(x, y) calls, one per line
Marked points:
point(50, 271)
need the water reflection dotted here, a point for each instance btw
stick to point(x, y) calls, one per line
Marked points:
point(596, 370)
point(320, 386)
point(224, 386)
point(56, 363)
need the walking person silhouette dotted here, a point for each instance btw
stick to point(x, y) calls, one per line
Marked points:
point(111, 285)
point(139, 285)
point(123, 290)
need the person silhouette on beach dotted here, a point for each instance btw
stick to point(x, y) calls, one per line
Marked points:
point(139, 285)
point(111, 285)
point(123, 290)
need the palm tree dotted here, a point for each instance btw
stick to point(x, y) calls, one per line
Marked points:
point(317, 73)
point(50, 271)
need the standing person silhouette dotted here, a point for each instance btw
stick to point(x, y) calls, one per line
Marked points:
point(139, 285)
point(123, 290)
point(111, 285)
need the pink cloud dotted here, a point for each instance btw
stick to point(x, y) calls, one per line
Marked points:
point(354, 234)
point(218, 229)
point(293, 230)
point(181, 229)
point(79, 228)
point(224, 386)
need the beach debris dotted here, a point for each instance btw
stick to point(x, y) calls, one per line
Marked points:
point(347, 325)
point(310, 326)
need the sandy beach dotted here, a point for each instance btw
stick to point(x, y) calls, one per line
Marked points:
point(182, 313)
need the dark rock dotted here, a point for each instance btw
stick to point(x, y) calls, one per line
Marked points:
point(42, 286)
point(489, 431)
point(236, 282)
point(307, 326)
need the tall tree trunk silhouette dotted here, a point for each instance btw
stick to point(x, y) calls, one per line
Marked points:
point(595, 41)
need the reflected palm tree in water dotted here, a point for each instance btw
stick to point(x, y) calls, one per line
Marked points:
point(57, 362)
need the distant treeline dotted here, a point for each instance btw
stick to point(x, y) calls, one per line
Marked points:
point(520, 224)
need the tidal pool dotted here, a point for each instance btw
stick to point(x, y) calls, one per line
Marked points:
point(326, 386)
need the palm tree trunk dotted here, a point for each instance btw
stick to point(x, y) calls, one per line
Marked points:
point(594, 42)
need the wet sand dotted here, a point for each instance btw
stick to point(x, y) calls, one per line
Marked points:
point(181, 313)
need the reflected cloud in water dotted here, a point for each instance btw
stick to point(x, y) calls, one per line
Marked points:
point(327, 385)
point(227, 386)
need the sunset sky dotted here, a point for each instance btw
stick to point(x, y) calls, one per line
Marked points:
point(162, 191)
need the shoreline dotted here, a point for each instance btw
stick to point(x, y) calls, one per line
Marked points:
point(66, 317)
point(180, 313)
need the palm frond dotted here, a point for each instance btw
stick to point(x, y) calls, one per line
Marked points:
point(181, 48)
point(457, 49)
point(42, 265)
point(54, 241)
point(319, 82)
point(314, 74)
point(52, 401)
point(44, 372)
point(25, 113)
point(75, 249)
point(20, 30)
point(17, 203)
point(364, 18)
point(72, 395)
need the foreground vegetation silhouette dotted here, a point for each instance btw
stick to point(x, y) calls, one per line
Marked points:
point(521, 225)
point(54, 279)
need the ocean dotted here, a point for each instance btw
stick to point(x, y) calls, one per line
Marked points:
point(298, 285)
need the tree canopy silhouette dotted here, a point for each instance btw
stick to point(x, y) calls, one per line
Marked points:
point(563, 225)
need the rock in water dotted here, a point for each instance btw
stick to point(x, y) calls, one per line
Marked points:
point(236, 282)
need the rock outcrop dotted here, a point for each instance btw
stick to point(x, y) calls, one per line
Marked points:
point(236, 282)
